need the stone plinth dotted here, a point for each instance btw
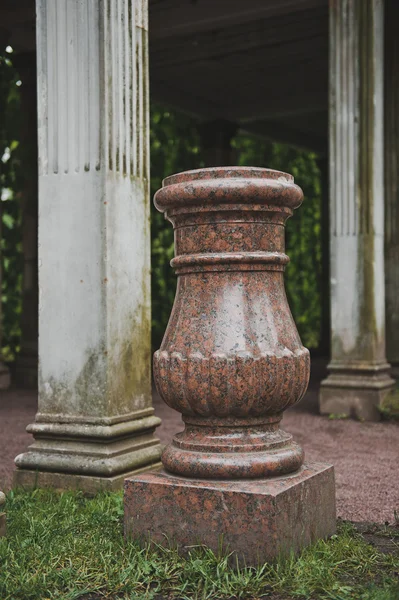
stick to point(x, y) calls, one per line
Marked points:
point(2, 515)
point(231, 362)
point(355, 392)
point(256, 520)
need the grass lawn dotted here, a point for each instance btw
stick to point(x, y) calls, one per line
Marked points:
point(67, 546)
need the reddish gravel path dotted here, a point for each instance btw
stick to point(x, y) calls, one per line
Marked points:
point(365, 455)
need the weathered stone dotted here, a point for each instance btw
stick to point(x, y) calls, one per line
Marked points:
point(353, 393)
point(89, 484)
point(95, 420)
point(231, 362)
point(359, 373)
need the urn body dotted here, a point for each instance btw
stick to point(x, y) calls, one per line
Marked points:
point(231, 360)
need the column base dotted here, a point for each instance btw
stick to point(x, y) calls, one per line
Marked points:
point(87, 456)
point(355, 392)
point(255, 520)
point(2, 515)
point(26, 370)
point(90, 485)
point(5, 379)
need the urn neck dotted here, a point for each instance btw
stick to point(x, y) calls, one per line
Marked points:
point(229, 218)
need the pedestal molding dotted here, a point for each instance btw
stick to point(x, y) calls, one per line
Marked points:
point(86, 431)
point(99, 461)
point(94, 421)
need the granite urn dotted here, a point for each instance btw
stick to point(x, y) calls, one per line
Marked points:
point(231, 362)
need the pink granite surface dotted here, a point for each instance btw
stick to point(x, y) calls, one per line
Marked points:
point(256, 520)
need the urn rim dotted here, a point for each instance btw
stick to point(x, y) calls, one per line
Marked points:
point(226, 173)
point(226, 188)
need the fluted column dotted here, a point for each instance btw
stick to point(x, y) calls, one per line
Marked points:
point(392, 182)
point(358, 373)
point(95, 421)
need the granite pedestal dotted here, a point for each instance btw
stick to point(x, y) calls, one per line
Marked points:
point(231, 362)
point(256, 520)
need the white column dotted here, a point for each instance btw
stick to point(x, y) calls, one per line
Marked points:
point(95, 421)
point(358, 373)
point(392, 182)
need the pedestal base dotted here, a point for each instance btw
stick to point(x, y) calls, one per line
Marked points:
point(5, 379)
point(355, 394)
point(256, 520)
point(87, 456)
point(89, 484)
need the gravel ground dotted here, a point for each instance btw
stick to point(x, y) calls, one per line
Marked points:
point(365, 455)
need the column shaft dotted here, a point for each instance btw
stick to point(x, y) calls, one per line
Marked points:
point(95, 421)
point(358, 377)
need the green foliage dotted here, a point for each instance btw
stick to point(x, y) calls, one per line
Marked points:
point(303, 232)
point(10, 209)
point(67, 546)
point(175, 146)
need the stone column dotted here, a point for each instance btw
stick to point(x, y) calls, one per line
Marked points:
point(95, 421)
point(358, 373)
point(27, 361)
point(392, 182)
point(216, 139)
point(4, 371)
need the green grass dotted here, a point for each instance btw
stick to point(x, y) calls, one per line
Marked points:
point(67, 546)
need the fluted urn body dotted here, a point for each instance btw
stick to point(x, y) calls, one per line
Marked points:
point(231, 360)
